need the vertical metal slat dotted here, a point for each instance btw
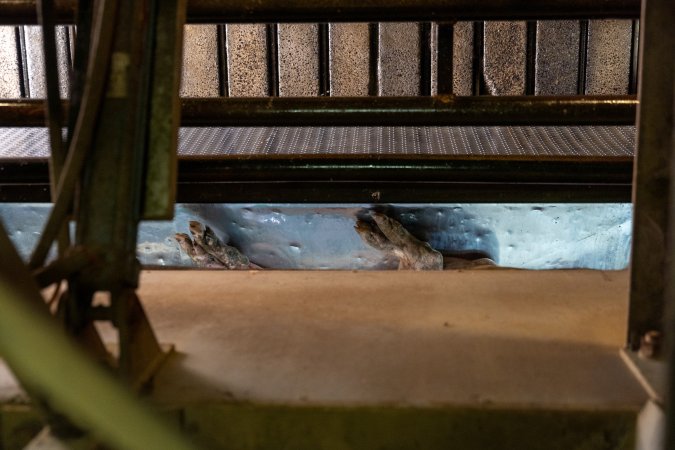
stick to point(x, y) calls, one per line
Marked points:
point(425, 58)
point(445, 58)
point(478, 51)
point(634, 58)
point(324, 60)
point(583, 56)
point(653, 177)
point(531, 58)
point(272, 45)
point(223, 80)
point(22, 61)
point(374, 52)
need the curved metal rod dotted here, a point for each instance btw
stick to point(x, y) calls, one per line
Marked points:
point(97, 71)
point(41, 356)
point(53, 117)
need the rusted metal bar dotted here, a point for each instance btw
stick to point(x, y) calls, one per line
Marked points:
point(651, 194)
point(354, 179)
point(55, 115)
point(76, 259)
point(441, 110)
point(220, 11)
point(652, 291)
point(159, 193)
point(358, 111)
point(583, 57)
point(425, 59)
point(79, 147)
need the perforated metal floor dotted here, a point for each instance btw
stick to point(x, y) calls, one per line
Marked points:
point(580, 141)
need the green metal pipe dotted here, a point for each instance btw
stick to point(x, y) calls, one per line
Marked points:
point(41, 355)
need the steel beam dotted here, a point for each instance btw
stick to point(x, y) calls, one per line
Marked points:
point(232, 11)
point(369, 179)
point(652, 171)
point(362, 111)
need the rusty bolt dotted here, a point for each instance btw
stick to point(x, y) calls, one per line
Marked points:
point(650, 344)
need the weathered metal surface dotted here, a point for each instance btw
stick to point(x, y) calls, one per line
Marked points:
point(652, 192)
point(462, 52)
point(53, 86)
point(114, 168)
point(598, 143)
point(349, 59)
point(504, 58)
point(200, 62)
point(399, 59)
point(524, 236)
point(608, 57)
point(81, 141)
point(209, 11)
point(371, 178)
point(557, 57)
point(544, 236)
point(298, 60)
point(443, 110)
point(247, 60)
point(35, 63)
point(119, 418)
point(345, 111)
point(10, 75)
point(162, 150)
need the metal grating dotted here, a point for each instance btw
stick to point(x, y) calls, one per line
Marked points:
point(579, 141)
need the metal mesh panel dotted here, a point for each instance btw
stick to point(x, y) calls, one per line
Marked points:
point(579, 141)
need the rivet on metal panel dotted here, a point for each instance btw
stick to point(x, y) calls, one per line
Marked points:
point(651, 344)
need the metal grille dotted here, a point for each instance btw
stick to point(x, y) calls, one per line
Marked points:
point(580, 141)
point(539, 57)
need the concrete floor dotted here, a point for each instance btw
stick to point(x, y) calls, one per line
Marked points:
point(500, 337)
point(312, 343)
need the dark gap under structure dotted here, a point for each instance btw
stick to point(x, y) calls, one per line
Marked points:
point(223, 75)
point(531, 58)
point(374, 55)
point(583, 55)
point(425, 58)
point(324, 60)
point(272, 45)
point(444, 58)
point(478, 84)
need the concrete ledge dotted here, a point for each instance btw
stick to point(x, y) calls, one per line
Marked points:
point(461, 359)
point(548, 340)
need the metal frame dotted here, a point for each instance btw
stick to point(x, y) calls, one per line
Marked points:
point(653, 272)
point(231, 11)
point(363, 111)
point(369, 179)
